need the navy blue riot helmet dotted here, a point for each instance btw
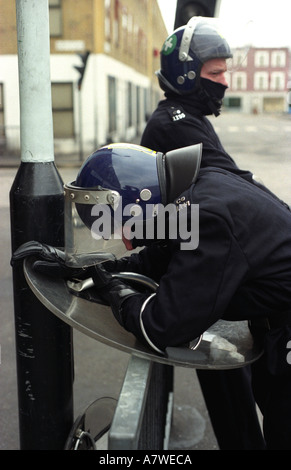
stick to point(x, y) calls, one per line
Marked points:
point(186, 50)
point(127, 178)
point(123, 168)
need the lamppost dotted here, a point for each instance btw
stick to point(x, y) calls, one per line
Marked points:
point(43, 342)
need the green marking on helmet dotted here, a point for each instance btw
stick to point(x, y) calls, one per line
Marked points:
point(169, 45)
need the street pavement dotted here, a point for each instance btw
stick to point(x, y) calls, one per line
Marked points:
point(260, 143)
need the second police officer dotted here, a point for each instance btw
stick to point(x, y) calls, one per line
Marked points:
point(192, 75)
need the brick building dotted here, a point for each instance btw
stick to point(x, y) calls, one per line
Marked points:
point(259, 79)
point(119, 88)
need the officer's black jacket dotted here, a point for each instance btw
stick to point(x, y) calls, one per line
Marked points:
point(240, 270)
point(179, 122)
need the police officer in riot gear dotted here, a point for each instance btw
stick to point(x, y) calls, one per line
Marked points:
point(192, 75)
point(241, 268)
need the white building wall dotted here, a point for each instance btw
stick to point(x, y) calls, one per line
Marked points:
point(9, 78)
point(94, 98)
point(106, 66)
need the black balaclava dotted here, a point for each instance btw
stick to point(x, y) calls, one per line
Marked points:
point(211, 94)
point(208, 95)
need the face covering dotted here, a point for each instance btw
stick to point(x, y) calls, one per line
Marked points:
point(213, 93)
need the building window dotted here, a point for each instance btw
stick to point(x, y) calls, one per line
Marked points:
point(146, 99)
point(2, 128)
point(138, 103)
point(112, 104)
point(232, 102)
point(107, 25)
point(262, 59)
point(63, 110)
point(239, 81)
point(239, 59)
point(130, 34)
point(261, 81)
point(278, 81)
point(55, 18)
point(129, 104)
point(124, 22)
point(116, 23)
point(278, 59)
point(136, 43)
point(107, 20)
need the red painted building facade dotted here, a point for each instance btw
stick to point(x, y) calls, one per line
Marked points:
point(258, 80)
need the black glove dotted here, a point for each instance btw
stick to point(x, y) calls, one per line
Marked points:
point(112, 290)
point(116, 265)
point(49, 261)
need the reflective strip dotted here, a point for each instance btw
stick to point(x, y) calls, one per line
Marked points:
point(142, 325)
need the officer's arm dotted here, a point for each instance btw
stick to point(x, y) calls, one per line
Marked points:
point(151, 262)
point(195, 291)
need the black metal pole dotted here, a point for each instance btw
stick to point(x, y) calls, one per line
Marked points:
point(43, 342)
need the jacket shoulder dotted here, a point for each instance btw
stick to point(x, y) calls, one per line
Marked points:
point(176, 113)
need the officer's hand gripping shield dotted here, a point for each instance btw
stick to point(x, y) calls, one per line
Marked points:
point(93, 233)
